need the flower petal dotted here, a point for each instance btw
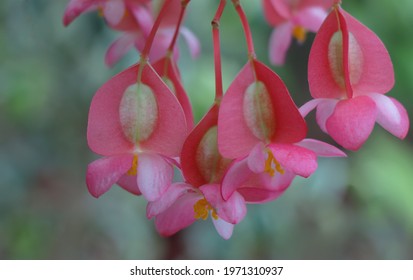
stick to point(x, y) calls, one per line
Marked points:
point(114, 11)
point(155, 175)
point(223, 228)
point(280, 41)
point(391, 115)
point(77, 7)
point(296, 159)
point(129, 183)
point(324, 110)
point(256, 158)
point(232, 210)
point(119, 48)
point(174, 192)
point(105, 172)
point(238, 173)
point(178, 216)
point(320, 148)
point(276, 12)
point(352, 122)
point(143, 16)
point(310, 18)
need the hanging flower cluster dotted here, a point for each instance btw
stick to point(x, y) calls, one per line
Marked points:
point(252, 142)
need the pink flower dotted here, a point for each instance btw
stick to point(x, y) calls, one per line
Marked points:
point(349, 72)
point(134, 18)
point(292, 18)
point(139, 128)
point(203, 168)
point(261, 127)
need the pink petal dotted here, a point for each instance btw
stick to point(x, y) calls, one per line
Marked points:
point(77, 7)
point(324, 110)
point(223, 228)
point(174, 192)
point(155, 175)
point(129, 183)
point(180, 215)
point(309, 106)
point(320, 79)
point(105, 172)
point(235, 139)
point(391, 115)
point(167, 68)
point(143, 16)
point(296, 159)
point(352, 122)
point(190, 168)
point(192, 41)
point(275, 11)
point(119, 48)
point(238, 173)
point(377, 73)
point(280, 41)
point(105, 134)
point(256, 158)
point(320, 148)
point(310, 18)
point(232, 210)
point(114, 11)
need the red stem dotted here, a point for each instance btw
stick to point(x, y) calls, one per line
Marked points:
point(184, 4)
point(217, 50)
point(246, 27)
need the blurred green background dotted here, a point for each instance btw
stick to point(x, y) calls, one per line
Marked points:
point(355, 208)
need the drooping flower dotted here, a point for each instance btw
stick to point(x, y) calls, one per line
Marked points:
point(134, 18)
point(349, 72)
point(138, 127)
point(261, 127)
point(203, 168)
point(292, 19)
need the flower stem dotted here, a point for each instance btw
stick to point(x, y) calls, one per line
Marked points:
point(246, 27)
point(217, 51)
point(184, 4)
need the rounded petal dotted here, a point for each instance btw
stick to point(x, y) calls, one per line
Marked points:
point(294, 158)
point(275, 12)
point(320, 148)
point(280, 41)
point(103, 173)
point(223, 228)
point(235, 138)
point(352, 122)
point(178, 216)
point(256, 158)
point(238, 173)
point(232, 210)
point(174, 192)
point(155, 175)
point(114, 11)
point(310, 18)
point(143, 16)
point(77, 7)
point(119, 48)
point(324, 110)
point(129, 183)
point(391, 115)
point(105, 135)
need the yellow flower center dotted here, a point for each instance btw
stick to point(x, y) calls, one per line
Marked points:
point(202, 208)
point(300, 33)
point(133, 171)
point(272, 165)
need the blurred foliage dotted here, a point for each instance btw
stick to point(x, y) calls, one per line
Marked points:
point(354, 208)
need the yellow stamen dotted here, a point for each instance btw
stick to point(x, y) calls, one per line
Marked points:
point(269, 167)
point(100, 12)
point(133, 171)
point(202, 208)
point(300, 33)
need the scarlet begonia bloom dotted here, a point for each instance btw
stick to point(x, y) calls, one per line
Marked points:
point(203, 169)
point(259, 123)
point(292, 18)
point(349, 72)
point(135, 19)
point(139, 128)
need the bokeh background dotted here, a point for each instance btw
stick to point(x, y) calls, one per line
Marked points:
point(355, 208)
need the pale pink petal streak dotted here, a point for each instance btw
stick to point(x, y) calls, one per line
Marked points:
point(280, 41)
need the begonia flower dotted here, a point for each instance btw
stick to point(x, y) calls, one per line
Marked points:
point(292, 19)
point(139, 127)
point(203, 168)
point(349, 72)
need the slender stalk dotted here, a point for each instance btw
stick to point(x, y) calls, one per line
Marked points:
point(217, 51)
point(184, 4)
point(246, 27)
